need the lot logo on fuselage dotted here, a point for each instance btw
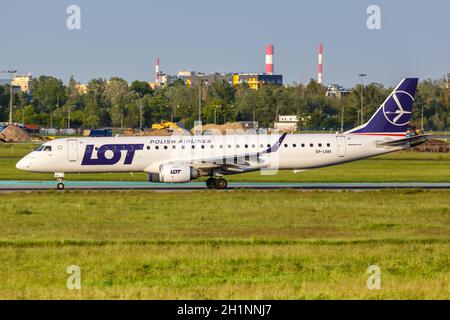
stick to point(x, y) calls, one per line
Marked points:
point(105, 158)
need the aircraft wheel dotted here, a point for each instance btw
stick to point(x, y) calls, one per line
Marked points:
point(221, 183)
point(60, 186)
point(211, 183)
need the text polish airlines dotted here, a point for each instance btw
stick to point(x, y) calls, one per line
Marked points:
point(174, 159)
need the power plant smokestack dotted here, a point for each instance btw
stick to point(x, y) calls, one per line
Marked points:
point(319, 74)
point(269, 59)
point(157, 70)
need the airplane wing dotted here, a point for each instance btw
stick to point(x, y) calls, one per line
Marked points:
point(233, 163)
point(406, 142)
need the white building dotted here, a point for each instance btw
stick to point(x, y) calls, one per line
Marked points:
point(287, 123)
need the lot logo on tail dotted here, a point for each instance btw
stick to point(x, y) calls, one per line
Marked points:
point(394, 114)
point(393, 108)
point(109, 158)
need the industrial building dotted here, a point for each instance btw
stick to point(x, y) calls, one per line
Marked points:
point(19, 83)
point(81, 88)
point(23, 82)
point(253, 79)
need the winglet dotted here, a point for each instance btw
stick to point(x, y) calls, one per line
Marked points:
point(276, 145)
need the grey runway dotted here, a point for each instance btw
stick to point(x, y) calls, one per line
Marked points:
point(18, 185)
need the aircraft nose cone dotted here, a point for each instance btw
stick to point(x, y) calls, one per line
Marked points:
point(21, 165)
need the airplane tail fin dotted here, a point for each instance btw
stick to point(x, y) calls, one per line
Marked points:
point(393, 116)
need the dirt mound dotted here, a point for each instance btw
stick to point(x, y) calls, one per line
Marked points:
point(235, 126)
point(129, 132)
point(433, 145)
point(158, 132)
point(14, 133)
point(151, 132)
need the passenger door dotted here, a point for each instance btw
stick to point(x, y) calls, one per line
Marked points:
point(72, 149)
point(341, 147)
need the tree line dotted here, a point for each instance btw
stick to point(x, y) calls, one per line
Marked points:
point(115, 103)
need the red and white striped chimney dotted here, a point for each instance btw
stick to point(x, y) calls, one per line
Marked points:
point(269, 59)
point(157, 70)
point(319, 74)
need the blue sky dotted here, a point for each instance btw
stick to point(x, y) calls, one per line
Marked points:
point(123, 38)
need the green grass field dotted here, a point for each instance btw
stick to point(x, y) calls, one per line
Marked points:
point(234, 244)
point(408, 166)
point(231, 245)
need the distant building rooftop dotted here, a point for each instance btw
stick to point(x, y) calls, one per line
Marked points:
point(335, 90)
point(253, 79)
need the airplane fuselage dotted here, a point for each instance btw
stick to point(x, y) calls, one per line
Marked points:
point(133, 154)
point(183, 158)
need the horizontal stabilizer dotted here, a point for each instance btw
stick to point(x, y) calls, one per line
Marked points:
point(406, 142)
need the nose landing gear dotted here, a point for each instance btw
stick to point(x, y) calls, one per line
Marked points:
point(216, 183)
point(60, 178)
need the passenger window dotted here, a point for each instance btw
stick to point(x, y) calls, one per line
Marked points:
point(193, 147)
point(303, 145)
point(174, 147)
point(229, 146)
point(320, 145)
point(148, 147)
point(328, 144)
point(246, 146)
point(311, 145)
point(212, 146)
point(203, 147)
point(237, 146)
point(221, 146)
point(268, 145)
point(156, 147)
point(182, 147)
point(285, 145)
point(294, 145)
point(261, 146)
point(253, 146)
point(165, 147)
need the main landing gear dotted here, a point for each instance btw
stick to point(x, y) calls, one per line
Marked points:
point(216, 183)
point(60, 178)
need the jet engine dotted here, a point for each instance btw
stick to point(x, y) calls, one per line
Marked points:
point(173, 173)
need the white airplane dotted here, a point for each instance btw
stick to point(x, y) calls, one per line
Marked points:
point(183, 158)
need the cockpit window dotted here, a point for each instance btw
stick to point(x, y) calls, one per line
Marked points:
point(43, 147)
